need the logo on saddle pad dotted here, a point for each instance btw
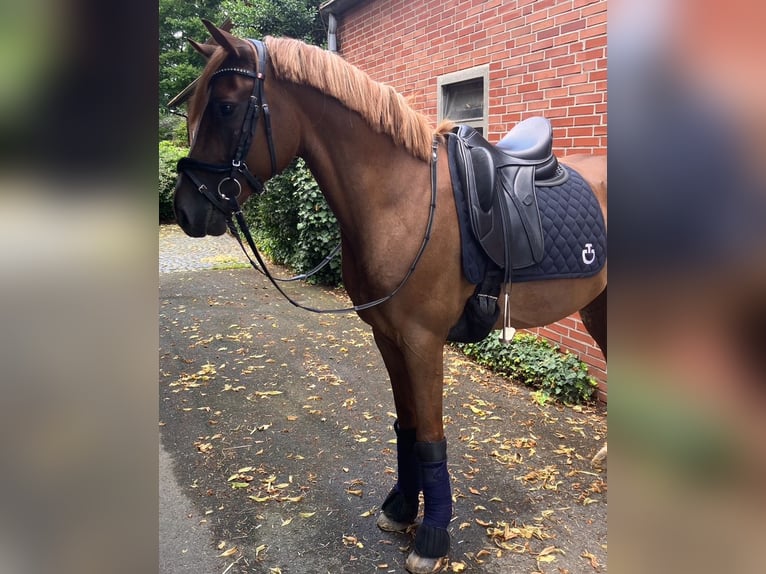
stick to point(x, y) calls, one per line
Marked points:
point(588, 254)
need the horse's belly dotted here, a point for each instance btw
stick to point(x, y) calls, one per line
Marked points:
point(538, 303)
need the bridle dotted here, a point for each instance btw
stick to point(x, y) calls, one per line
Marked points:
point(257, 104)
point(229, 206)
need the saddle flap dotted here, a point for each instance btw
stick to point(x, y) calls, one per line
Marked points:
point(484, 176)
point(476, 176)
point(527, 244)
point(500, 191)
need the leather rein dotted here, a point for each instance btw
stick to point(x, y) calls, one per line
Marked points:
point(229, 206)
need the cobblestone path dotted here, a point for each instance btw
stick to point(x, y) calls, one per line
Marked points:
point(179, 252)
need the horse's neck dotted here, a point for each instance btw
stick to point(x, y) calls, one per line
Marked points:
point(364, 176)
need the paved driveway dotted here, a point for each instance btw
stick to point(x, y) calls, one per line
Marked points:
point(276, 440)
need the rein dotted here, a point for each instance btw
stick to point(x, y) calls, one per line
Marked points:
point(231, 209)
point(274, 281)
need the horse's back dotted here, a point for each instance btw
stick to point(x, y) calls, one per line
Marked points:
point(593, 169)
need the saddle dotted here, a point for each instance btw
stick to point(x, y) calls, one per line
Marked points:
point(498, 183)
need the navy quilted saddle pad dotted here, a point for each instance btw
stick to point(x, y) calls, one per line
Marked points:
point(573, 229)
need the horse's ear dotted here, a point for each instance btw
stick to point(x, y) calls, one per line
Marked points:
point(224, 39)
point(206, 50)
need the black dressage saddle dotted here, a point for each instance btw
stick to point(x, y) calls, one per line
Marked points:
point(499, 182)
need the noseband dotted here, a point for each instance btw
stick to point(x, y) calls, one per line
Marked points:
point(227, 204)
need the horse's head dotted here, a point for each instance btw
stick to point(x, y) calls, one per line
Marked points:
point(233, 148)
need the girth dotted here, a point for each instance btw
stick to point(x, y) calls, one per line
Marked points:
point(499, 186)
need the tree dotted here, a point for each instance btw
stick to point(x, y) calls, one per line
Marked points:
point(179, 63)
point(293, 18)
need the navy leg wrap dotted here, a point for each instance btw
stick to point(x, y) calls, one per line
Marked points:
point(401, 504)
point(432, 539)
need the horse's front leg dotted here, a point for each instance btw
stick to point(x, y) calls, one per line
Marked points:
point(432, 540)
point(400, 508)
point(417, 379)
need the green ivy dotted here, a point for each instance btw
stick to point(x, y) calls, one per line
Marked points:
point(293, 224)
point(169, 154)
point(538, 364)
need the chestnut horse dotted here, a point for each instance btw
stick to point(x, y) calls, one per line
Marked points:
point(257, 106)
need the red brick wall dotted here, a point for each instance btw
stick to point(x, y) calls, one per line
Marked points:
point(545, 57)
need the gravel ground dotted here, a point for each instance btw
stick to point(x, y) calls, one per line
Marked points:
point(179, 252)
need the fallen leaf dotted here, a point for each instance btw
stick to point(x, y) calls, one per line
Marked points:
point(548, 550)
point(592, 558)
point(229, 552)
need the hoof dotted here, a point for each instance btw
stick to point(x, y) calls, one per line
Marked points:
point(388, 525)
point(421, 565)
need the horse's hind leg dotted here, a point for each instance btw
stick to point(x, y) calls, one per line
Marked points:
point(594, 318)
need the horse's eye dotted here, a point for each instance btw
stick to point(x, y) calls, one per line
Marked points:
point(226, 109)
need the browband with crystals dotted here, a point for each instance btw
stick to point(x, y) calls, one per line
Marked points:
point(240, 71)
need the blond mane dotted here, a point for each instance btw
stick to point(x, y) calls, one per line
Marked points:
point(382, 107)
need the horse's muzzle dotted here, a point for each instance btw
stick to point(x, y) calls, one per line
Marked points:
point(195, 214)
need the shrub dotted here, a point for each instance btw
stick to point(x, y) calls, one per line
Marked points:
point(169, 154)
point(293, 224)
point(536, 363)
point(172, 127)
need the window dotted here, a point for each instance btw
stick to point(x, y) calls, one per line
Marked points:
point(463, 97)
